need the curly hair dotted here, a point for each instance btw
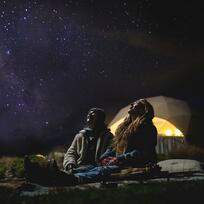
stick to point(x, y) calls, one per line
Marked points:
point(128, 128)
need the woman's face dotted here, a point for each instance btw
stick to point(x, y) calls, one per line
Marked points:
point(136, 108)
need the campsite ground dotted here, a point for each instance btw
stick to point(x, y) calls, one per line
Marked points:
point(165, 192)
point(13, 188)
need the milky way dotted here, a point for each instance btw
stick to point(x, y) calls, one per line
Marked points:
point(58, 59)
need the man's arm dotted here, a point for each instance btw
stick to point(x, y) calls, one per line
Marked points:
point(70, 157)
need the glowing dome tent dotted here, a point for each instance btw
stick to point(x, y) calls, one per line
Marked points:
point(172, 116)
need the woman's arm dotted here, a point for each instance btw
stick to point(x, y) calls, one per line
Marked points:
point(129, 156)
point(108, 153)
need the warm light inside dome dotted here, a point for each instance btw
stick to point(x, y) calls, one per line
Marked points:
point(164, 127)
point(168, 132)
point(178, 132)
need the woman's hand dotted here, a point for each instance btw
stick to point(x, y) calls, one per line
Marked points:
point(105, 161)
point(110, 161)
point(113, 161)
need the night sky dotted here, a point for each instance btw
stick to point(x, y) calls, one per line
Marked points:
point(60, 58)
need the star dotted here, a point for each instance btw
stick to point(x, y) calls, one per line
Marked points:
point(8, 52)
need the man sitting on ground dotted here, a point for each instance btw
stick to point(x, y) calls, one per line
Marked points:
point(89, 144)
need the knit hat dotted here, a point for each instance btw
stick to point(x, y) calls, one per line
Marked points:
point(100, 113)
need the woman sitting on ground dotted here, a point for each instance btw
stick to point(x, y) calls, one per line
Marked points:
point(133, 146)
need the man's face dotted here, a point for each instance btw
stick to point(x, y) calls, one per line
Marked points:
point(91, 118)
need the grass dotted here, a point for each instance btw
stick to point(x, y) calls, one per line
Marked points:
point(15, 165)
point(191, 191)
point(2, 171)
point(17, 168)
point(185, 191)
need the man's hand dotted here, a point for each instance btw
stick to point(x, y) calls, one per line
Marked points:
point(69, 168)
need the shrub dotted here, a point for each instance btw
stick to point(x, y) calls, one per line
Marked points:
point(187, 151)
point(2, 171)
point(17, 167)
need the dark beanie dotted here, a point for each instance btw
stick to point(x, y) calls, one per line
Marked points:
point(100, 113)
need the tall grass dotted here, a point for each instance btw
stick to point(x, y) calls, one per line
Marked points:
point(14, 166)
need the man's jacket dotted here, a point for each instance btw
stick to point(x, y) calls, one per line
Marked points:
point(78, 149)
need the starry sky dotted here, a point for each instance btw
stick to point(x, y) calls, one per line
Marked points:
point(60, 58)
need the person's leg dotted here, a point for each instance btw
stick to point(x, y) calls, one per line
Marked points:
point(47, 176)
point(83, 168)
point(34, 172)
point(56, 177)
point(61, 178)
point(96, 174)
